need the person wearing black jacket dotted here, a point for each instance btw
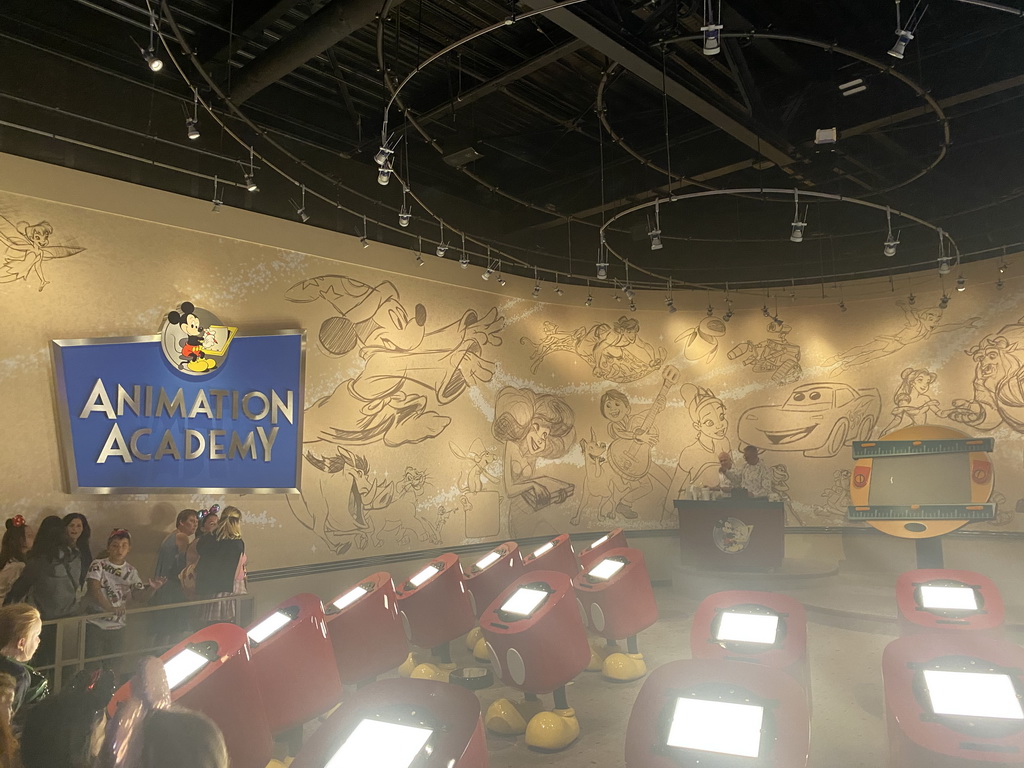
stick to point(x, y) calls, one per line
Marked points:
point(220, 571)
point(50, 580)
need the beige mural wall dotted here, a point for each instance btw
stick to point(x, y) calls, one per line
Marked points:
point(444, 410)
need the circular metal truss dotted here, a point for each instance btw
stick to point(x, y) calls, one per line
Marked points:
point(947, 246)
point(493, 256)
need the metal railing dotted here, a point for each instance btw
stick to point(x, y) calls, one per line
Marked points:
point(71, 633)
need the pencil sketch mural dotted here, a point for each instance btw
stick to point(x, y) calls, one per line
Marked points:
point(998, 384)
point(701, 341)
point(407, 370)
point(596, 419)
point(774, 355)
point(817, 419)
point(614, 352)
point(26, 247)
point(918, 325)
point(913, 401)
point(532, 427)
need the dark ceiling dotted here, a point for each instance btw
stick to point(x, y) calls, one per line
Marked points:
point(571, 116)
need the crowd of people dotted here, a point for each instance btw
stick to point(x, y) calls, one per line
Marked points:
point(49, 573)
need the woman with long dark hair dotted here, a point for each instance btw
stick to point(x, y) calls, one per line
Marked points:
point(17, 541)
point(50, 579)
point(79, 534)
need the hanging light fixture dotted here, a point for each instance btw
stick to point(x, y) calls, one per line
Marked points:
point(149, 55)
point(442, 246)
point(300, 210)
point(961, 283)
point(602, 260)
point(842, 305)
point(192, 121)
point(905, 32)
point(670, 304)
point(364, 240)
point(944, 301)
point(217, 202)
point(728, 311)
point(911, 299)
point(250, 175)
point(944, 258)
point(383, 156)
point(889, 248)
point(536, 284)
point(796, 233)
point(655, 233)
point(712, 29)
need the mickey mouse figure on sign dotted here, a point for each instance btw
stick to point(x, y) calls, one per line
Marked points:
point(194, 341)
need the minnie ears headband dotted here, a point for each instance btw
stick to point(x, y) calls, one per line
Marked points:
point(18, 521)
point(213, 510)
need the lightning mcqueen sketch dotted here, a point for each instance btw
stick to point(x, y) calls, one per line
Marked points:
point(817, 419)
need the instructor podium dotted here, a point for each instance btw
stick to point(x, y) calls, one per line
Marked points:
point(731, 534)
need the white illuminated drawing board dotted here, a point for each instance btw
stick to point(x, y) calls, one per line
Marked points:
point(268, 626)
point(949, 598)
point(972, 694)
point(376, 744)
point(606, 569)
point(182, 666)
point(524, 601)
point(716, 726)
point(737, 627)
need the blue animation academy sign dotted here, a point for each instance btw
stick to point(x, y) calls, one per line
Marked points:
point(175, 412)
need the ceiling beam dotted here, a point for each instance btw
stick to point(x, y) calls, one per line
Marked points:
point(502, 81)
point(325, 28)
point(949, 101)
point(646, 71)
point(250, 19)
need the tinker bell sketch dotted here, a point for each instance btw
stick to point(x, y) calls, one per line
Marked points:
point(25, 248)
point(918, 325)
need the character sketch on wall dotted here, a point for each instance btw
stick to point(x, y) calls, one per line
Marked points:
point(701, 341)
point(407, 506)
point(817, 419)
point(698, 462)
point(998, 383)
point(597, 483)
point(336, 501)
point(633, 436)
point(477, 464)
point(837, 500)
point(407, 369)
point(918, 325)
point(912, 401)
point(613, 352)
point(25, 247)
point(532, 426)
point(776, 356)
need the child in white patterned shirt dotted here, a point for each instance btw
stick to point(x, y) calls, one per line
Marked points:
point(112, 582)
